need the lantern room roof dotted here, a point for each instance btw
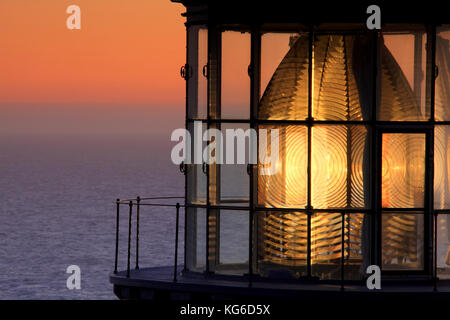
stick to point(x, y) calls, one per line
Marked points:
point(233, 11)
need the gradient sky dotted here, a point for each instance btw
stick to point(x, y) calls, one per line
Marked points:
point(119, 73)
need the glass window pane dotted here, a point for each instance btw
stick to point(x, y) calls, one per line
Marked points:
point(284, 76)
point(336, 95)
point(282, 241)
point(233, 239)
point(196, 178)
point(282, 169)
point(340, 167)
point(213, 238)
point(228, 177)
point(443, 246)
point(402, 241)
point(234, 179)
point(197, 82)
point(274, 47)
point(326, 245)
point(403, 75)
point(357, 245)
point(403, 170)
point(196, 184)
point(442, 89)
point(196, 239)
point(235, 80)
point(202, 96)
point(442, 167)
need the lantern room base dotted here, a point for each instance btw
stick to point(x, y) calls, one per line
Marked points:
point(157, 284)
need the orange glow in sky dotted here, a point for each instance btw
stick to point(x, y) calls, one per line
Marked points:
point(126, 52)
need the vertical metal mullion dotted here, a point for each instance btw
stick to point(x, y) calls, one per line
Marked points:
point(349, 176)
point(428, 214)
point(208, 116)
point(349, 198)
point(309, 212)
point(431, 78)
point(214, 86)
point(435, 224)
point(342, 248)
point(310, 123)
point(176, 242)
point(185, 174)
point(255, 65)
point(218, 125)
point(207, 228)
point(375, 217)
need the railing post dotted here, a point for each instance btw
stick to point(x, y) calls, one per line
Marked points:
point(185, 236)
point(138, 206)
point(176, 244)
point(435, 278)
point(129, 239)
point(117, 235)
point(343, 250)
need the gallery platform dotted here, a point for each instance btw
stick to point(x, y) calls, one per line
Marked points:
point(158, 283)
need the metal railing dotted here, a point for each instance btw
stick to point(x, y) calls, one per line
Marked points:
point(138, 202)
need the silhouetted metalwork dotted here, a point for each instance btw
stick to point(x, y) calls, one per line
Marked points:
point(138, 210)
point(176, 242)
point(129, 238)
point(117, 235)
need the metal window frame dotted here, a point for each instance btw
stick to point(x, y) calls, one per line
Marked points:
point(426, 210)
point(374, 127)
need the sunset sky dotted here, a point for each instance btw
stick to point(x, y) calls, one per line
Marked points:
point(120, 72)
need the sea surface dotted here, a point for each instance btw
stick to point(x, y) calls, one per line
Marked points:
point(57, 209)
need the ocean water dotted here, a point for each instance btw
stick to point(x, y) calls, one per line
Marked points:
point(57, 209)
